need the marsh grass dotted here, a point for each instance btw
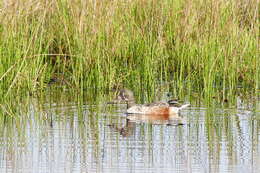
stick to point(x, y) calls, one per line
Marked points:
point(191, 45)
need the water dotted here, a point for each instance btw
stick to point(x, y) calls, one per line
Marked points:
point(64, 136)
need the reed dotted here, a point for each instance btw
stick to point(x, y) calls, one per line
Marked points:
point(202, 45)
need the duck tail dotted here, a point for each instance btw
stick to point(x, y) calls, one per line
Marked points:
point(184, 106)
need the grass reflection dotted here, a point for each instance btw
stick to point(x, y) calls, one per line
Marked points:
point(61, 129)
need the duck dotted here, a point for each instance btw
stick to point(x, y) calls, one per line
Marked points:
point(157, 108)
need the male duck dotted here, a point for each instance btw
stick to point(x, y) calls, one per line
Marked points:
point(158, 108)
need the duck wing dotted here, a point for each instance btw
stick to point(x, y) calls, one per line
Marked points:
point(152, 108)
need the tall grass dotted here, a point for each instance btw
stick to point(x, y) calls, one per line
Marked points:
point(204, 45)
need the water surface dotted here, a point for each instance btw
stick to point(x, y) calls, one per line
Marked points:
point(65, 135)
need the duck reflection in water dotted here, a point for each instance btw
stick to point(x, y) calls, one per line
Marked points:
point(125, 131)
point(133, 119)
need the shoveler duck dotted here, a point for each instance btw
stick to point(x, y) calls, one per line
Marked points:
point(158, 108)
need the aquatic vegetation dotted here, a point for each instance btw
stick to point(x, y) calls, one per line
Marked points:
point(193, 45)
point(59, 60)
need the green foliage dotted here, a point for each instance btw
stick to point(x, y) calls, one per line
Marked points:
point(201, 45)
